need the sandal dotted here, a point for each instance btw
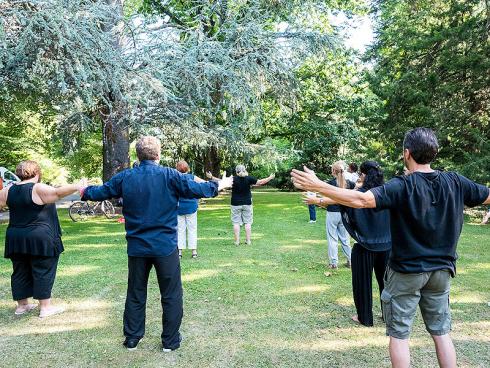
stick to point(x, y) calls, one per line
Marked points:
point(25, 309)
point(51, 312)
point(194, 255)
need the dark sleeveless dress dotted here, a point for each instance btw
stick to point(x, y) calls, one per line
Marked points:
point(33, 229)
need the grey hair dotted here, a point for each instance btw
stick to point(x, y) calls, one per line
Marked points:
point(148, 148)
point(241, 170)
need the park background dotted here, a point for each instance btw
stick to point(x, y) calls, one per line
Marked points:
point(273, 84)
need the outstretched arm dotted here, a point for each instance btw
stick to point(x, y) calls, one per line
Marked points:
point(44, 194)
point(265, 180)
point(210, 176)
point(317, 201)
point(3, 197)
point(108, 190)
point(197, 179)
point(192, 189)
point(307, 180)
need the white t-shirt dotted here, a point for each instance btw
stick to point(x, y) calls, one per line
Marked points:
point(351, 176)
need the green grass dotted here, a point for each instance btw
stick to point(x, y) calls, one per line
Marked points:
point(268, 305)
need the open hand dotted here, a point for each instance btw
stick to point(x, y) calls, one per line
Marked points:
point(82, 184)
point(226, 182)
point(209, 175)
point(305, 180)
point(309, 198)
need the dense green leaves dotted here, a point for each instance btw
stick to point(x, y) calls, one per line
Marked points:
point(432, 68)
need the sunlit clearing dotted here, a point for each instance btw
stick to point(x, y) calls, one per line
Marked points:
point(199, 274)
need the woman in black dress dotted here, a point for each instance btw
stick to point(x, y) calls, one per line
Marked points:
point(371, 230)
point(33, 238)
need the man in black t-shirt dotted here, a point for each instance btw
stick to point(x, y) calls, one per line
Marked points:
point(426, 210)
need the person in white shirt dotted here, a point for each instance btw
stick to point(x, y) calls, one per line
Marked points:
point(351, 173)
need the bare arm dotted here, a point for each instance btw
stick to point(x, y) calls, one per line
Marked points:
point(197, 179)
point(318, 201)
point(3, 197)
point(307, 180)
point(265, 180)
point(210, 176)
point(44, 194)
point(488, 200)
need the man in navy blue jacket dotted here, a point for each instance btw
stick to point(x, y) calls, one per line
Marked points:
point(150, 194)
point(426, 219)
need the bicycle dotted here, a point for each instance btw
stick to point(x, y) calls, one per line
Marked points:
point(80, 211)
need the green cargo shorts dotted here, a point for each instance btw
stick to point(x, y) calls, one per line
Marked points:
point(404, 291)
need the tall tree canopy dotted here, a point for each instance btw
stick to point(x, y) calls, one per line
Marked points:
point(432, 68)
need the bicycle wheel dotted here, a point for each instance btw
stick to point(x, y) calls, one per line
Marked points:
point(79, 211)
point(108, 209)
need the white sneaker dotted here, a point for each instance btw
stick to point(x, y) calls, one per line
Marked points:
point(312, 221)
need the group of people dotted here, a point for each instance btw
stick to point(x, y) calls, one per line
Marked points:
point(406, 230)
point(425, 209)
point(369, 228)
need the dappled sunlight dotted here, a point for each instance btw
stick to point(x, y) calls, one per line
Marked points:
point(307, 289)
point(329, 344)
point(76, 237)
point(115, 244)
point(312, 241)
point(291, 247)
point(275, 205)
point(214, 208)
point(76, 270)
point(472, 331)
point(79, 315)
point(345, 301)
point(199, 274)
point(467, 297)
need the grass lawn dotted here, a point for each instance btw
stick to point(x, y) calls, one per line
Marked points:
point(268, 305)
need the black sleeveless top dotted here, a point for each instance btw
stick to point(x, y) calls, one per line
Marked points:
point(33, 229)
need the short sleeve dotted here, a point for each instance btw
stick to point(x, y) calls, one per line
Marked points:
point(474, 194)
point(252, 180)
point(390, 195)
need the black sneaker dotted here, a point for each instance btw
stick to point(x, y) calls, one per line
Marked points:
point(131, 344)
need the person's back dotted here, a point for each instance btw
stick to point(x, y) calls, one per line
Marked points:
point(241, 193)
point(150, 196)
point(149, 205)
point(427, 217)
point(188, 205)
point(33, 229)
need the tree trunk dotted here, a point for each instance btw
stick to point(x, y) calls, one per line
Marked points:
point(115, 127)
point(212, 161)
point(115, 137)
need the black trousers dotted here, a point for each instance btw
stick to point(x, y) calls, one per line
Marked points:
point(33, 276)
point(170, 283)
point(363, 263)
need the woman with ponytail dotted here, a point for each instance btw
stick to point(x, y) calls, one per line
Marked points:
point(335, 229)
point(371, 230)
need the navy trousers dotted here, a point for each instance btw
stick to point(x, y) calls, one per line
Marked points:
point(170, 284)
